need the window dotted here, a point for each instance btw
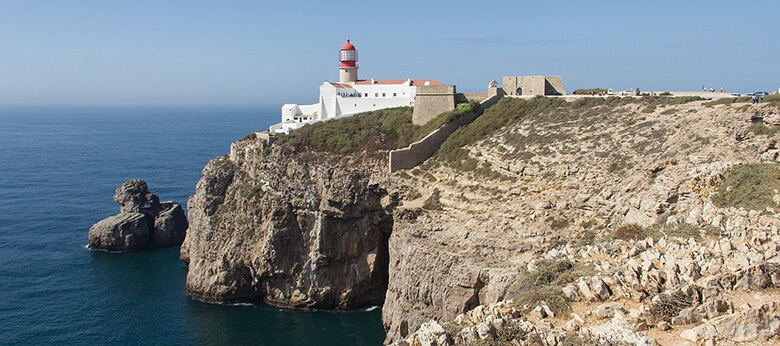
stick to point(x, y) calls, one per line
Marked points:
point(376, 94)
point(394, 95)
point(383, 94)
point(365, 95)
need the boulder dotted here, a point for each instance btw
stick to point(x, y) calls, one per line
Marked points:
point(607, 310)
point(143, 222)
point(121, 232)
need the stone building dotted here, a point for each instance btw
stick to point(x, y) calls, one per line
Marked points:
point(432, 100)
point(534, 85)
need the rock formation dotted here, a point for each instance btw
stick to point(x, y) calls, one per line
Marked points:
point(315, 229)
point(288, 228)
point(143, 222)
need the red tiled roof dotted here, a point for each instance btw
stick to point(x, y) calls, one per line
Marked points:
point(415, 82)
point(341, 86)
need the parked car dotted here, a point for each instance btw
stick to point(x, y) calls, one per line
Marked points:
point(761, 93)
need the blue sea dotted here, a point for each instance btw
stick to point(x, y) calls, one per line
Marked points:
point(59, 167)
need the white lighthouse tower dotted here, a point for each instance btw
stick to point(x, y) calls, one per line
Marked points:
point(348, 68)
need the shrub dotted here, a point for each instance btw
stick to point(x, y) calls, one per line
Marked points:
point(772, 98)
point(544, 284)
point(380, 130)
point(749, 186)
point(728, 101)
point(669, 306)
point(630, 232)
point(759, 128)
point(590, 91)
point(506, 111)
point(248, 136)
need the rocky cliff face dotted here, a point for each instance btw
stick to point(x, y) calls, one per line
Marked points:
point(292, 229)
point(572, 175)
point(312, 229)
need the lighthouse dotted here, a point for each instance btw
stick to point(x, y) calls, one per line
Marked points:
point(348, 68)
point(351, 96)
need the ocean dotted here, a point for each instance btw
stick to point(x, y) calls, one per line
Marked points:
point(59, 167)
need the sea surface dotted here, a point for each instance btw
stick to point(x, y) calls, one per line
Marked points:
point(59, 167)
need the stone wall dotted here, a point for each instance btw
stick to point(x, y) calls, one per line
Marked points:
point(475, 96)
point(432, 100)
point(554, 86)
point(417, 152)
point(534, 85)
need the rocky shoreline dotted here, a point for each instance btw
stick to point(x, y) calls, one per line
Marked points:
point(622, 193)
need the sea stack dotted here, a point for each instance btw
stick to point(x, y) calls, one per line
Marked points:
point(142, 223)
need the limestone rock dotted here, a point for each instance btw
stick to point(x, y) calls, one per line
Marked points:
point(170, 225)
point(291, 230)
point(607, 310)
point(143, 222)
point(122, 232)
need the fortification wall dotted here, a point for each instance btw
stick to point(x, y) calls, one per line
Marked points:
point(475, 96)
point(554, 86)
point(432, 100)
point(533, 85)
point(417, 152)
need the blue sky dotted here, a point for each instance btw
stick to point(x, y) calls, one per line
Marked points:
point(268, 53)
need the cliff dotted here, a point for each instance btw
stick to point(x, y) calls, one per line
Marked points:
point(533, 189)
point(549, 179)
point(302, 224)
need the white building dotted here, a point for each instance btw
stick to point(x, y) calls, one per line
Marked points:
point(350, 96)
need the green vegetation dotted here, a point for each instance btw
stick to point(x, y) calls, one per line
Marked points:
point(592, 91)
point(373, 131)
point(633, 232)
point(750, 186)
point(728, 101)
point(380, 130)
point(445, 118)
point(759, 128)
point(682, 230)
point(668, 101)
point(554, 117)
point(250, 135)
point(544, 285)
point(506, 111)
point(772, 98)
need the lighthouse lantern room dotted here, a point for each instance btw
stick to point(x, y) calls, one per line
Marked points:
point(348, 67)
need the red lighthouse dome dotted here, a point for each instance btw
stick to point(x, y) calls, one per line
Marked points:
point(348, 54)
point(348, 46)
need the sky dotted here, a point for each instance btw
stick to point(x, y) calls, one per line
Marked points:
point(267, 53)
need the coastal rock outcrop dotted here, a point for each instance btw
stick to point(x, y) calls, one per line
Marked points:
point(290, 228)
point(619, 192)
point(143, 222)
